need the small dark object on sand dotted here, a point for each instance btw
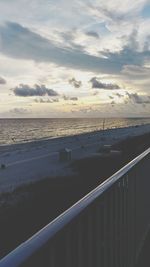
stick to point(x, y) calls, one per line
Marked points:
point(65, 154)
point(3, 166)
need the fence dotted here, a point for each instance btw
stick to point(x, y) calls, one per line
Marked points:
point(106, 228)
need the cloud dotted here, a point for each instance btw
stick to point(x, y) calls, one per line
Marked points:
point(2, 80)
point(127, 56)
point(92, 34)
point(19, 111)
point(95, 93)
point(138, 99)
point(86, 110)
point(69, 40)
point(119, 95)
point(25, 90)
point(115, 11)
point(73, 98)
point(46, 101)
point(130, 56)
point(136, 72)
point(75, 83)
point(101, 85)
point(20, 42)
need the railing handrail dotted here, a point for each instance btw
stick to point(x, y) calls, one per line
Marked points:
point(32, 245)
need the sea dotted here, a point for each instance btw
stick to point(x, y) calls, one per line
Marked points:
point(27, 130)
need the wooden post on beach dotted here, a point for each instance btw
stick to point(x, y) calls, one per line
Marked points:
point(103, 124)
point(65, 155)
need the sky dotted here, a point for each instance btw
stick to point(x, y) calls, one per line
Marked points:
point(79, 58)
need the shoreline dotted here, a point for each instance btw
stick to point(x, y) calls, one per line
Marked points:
point(45, 139)
point(34, 161)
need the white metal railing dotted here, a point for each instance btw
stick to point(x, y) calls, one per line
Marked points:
point(106, 228)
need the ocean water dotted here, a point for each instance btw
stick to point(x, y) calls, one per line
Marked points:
point(26, 130)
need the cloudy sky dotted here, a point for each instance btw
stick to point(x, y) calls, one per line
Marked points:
point(79, 58)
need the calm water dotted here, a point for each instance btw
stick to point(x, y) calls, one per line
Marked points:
point(24, 130)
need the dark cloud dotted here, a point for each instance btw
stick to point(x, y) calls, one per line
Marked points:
point(73, 98)
point(2, 80)
point(20, 111)
point(46, 101)
point(86, 110)
point(119, 95)
point(132, 41)
point(25, 90)
point(130, 55)
point(138, 99)
point(101, 85)
point(67, 36)
point(75, 83)
point(66, 97)
point(69, 40)
point(95, 93)
point(92, 34)
point(136, 72)
point(20, 42)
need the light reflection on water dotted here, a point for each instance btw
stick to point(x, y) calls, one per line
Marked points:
point(24, 130)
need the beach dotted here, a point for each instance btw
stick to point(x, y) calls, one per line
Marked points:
point(37, 200)
point(33, 161)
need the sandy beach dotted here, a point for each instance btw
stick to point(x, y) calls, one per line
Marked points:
point(30, 162)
